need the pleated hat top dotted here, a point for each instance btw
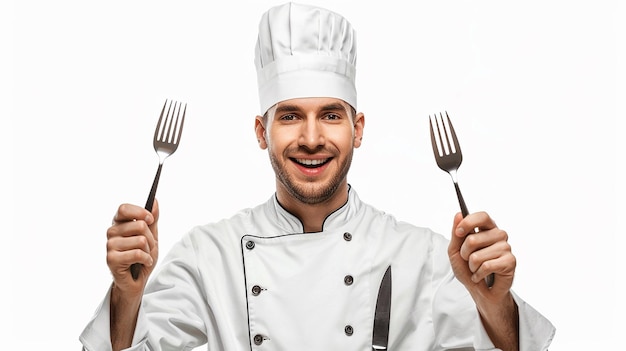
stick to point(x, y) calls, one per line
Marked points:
point(305, 51)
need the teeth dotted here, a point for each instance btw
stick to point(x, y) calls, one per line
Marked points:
point(308, 162)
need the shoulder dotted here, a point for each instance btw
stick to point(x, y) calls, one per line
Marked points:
point(387, 223)
point(237, 223)
point(390, 220)
point(226, 229)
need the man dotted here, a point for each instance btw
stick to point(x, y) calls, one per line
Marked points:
point(303, 270)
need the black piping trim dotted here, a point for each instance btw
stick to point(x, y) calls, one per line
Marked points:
point(243, 261)
point(323, 223)
point(245, 283)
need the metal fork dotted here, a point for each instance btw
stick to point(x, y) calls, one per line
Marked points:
point(166, 139)
point(449, 158)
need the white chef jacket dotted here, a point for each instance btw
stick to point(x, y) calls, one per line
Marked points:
point(256, 281)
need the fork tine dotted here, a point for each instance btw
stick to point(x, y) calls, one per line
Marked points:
point(455, 140)
point(171, 137)
point(442, 150)
point(170, 121)
point(445, 135)
point(163, 124)
point(160, 122)
point(433, 140)
point(182, 122)
point(170, 128)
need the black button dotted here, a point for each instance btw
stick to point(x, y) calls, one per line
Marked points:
point(258, 339)
point(347, 236)
point(256, 290)
point(348, 330)
point(250, 245)
point(348, 279)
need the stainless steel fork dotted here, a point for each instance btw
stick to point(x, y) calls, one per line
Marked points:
point(449, 158)
point(166, 139)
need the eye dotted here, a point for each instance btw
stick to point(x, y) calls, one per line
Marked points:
point(332, 117)
point(289, 117)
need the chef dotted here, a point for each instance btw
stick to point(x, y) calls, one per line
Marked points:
point(314, 267)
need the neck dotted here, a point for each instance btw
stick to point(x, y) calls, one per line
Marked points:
point(312, 216)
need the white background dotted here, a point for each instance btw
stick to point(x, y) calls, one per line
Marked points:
point(532, 88)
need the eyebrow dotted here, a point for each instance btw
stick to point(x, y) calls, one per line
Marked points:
point(294, 108)
point(286, 108)
point(334, 107)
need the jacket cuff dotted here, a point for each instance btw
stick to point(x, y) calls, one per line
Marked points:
point(97, 334)
point(535, 331)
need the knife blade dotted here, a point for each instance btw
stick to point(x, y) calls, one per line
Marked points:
point(380, 335)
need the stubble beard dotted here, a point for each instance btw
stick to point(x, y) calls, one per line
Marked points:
point(312, 193)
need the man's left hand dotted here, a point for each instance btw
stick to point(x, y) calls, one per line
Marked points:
point(474, 256)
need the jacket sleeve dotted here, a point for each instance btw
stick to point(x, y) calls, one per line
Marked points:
point(97, 334)
point(170, 316)
point(457, 322)
point(535, 331)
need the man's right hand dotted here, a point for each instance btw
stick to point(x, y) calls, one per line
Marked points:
point(133, 238)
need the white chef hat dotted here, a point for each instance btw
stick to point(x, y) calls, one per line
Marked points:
point(305, 51)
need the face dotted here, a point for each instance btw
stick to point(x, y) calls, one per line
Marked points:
point(310, 142)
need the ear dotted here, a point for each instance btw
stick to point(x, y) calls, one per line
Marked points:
point(259, 130)
point(359, 124)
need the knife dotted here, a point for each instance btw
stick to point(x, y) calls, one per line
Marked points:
point(380, 335)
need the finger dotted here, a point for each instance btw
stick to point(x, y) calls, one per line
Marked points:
point(478, 241)
point(133, 228)
point(456, 240)
point(480, 220)
point(153, 225)
point(128, 212)
point(139, 229)
point(120, 261)
point(502, 266)
point(477, 258)
point(128, 243)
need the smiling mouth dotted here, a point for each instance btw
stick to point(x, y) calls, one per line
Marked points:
point(308, 163)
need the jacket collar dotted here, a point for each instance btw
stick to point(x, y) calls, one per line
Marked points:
point(286, 222)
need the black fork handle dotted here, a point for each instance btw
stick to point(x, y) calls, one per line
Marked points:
point(491, 278)
point(153, 190)
point(464, 210)
point(135, 268)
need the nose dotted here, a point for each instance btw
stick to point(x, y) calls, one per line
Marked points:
point(311, 134)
